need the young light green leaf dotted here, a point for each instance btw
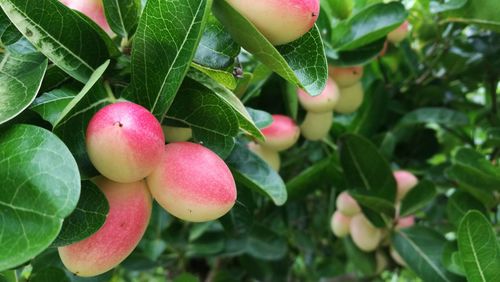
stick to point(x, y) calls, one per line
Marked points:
point(478, 248)
point(40, 187)
point(422, 249)
point(302, 62)
point(122, 15)
point(161, 59)
point(255, 173)
point(222, 77)
point(59, 34)
point(89, 215)
point(21, 76)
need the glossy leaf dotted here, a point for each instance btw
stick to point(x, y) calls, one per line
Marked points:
point(359, 56)
point(301, 62)
point(33, 208)
point(59, 33)
point(251, 171)
point(483, 13)
point(435, 115)
point(459, 204)
point(478, 248)
point(222, 77)
point(264, 243)
point(417, 198)
point(50, 105)
point(161, 59)
point(21, 76)
point(89, 215)
point(122, 15)
point(8, 32)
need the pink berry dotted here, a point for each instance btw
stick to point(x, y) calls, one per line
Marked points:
point(281, 134)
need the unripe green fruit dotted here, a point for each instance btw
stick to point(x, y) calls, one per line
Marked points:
point(128, 217)
point(192, 183)
point(91, 8)
point(281, 134)
point(280, 21)
point(340, 224)
point(177, 134)
point(324, 102)
point(124, 142)
point(347, 205)
point(405, 181)
point(396, 257)
point(351, 99)
point(341, 9)
point(399, 34)
point(272, 158)
point(346, 76)
point(366, 236)
point(316, 125)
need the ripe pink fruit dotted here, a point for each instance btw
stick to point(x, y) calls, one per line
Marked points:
point(281, 134)
point(92, 9)
point(325, 102)
point(316, 126)
point(192, 183)
point(124, 142)
point(340, 224)
point(364, 234)
point(399, 34)
point(351, 98)
point(129, 213)
point(347, 205)
point(405, 181)
point(404, 222)
point(272, 158)
point(280, 21)
point(346, 76)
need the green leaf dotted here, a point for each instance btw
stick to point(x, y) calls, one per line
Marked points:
point(359, 56)
point(122, 16)
point(452, 260)
point(254, 173)
point(367, 171)
point(245, 120)
point(265, 244)
point(459, 204)
point(49, 274)
point(21, 76)
point(435, 115)
point(161, 59)
point(372, 23)
point(482, 13)
point(212, 120)
point(439, 7)
point(51, 104)
point(301, 62)
point(371, 115)
point(417, 198)
point(89, 215)
point(8, 32)
point(364, 262)
point(59, 33)
point(222, 77)
point(422, 248)
point(478, 248)
point(217, 48)
point(40, 187)
point(260, 118)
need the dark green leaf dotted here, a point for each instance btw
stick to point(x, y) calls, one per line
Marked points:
point(61, 43)
point(364, 262)
point(483, 13)
point(51, 104)
point(417, 198)
point(49, 274)
point(435, 115)
point(359, 56)
point(8, 32)
point(254, 173)
point(301, 62)
point(459, 204)
point(89, 215)
point(161, 59)
point(452, 260)
point(422, 248)
point(478, 248)
point(263, 243)
point(122, 15)
point(260, 118)
point(40, 187)
point(21, 75)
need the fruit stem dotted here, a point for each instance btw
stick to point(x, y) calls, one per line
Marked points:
point(109, 91)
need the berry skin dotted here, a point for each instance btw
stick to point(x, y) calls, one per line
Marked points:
point(272, 158)
point(281, 134)
point(366, 236)
point(316, 125)
point(91, 8)
point(351, 99)
point(399, 34)
point(340, 224)
point(346, 76)
point(324, 102)
point(405, 181)
point(347, 205)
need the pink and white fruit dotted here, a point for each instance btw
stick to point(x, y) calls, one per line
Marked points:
point(92, 9)
point(340, 224)
point(366, 236)
point(405, 222)
point(128, 218)
point(272, 158)
point(124, 142)
point(316, 125)
point(192, 183)
point(351, 99)
point(346, 76)
point(347, 205)
point(280, 21)
point(324, 102)
point(177, 134)
point(396, 257)
point(281, 134)
point(405, 181)
point(399, 34)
